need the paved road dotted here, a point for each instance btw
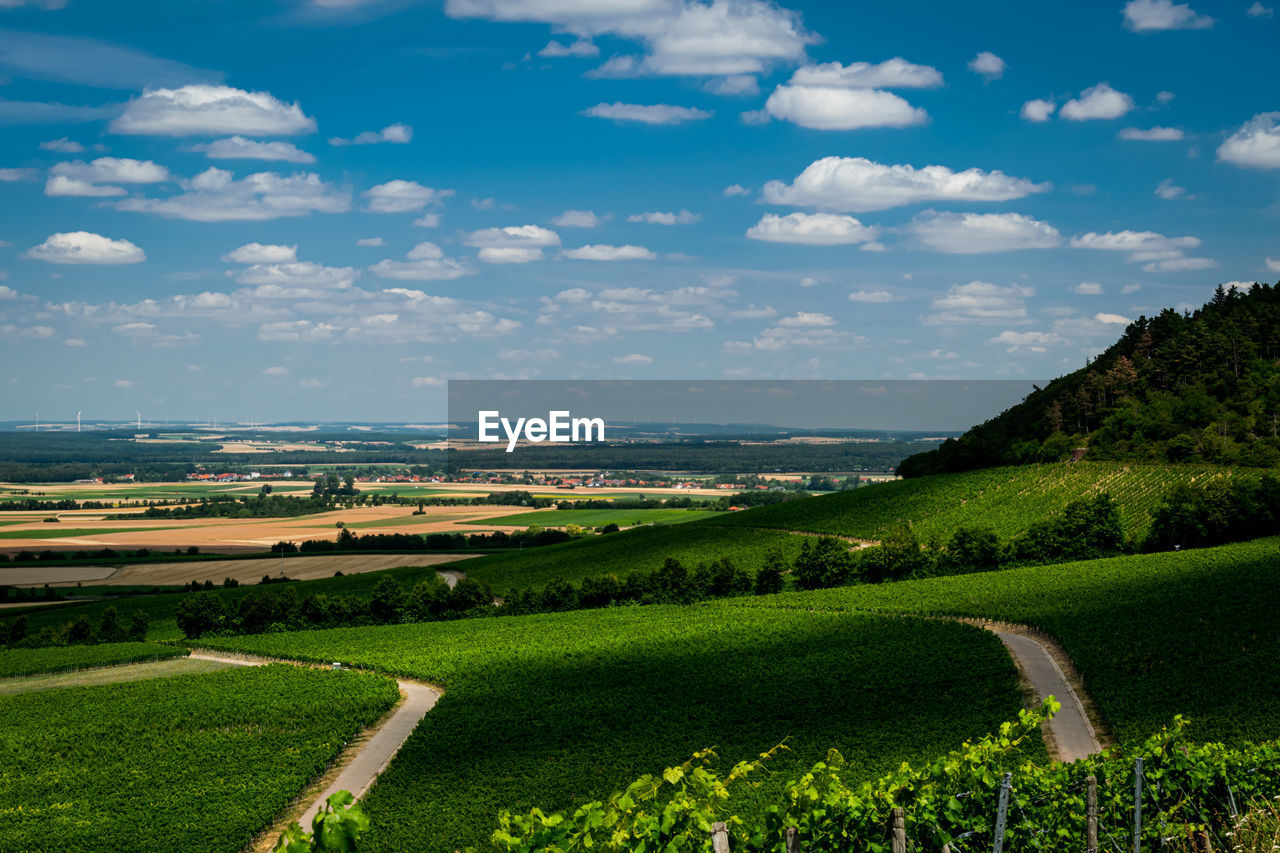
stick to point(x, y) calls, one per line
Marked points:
point(376, 752)
point(1070, 726)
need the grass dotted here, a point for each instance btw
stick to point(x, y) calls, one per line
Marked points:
point(16, 662)
point(1193, 632)
point(598, 517)
point(557, 709)
point(192, 762)
point(110, 675)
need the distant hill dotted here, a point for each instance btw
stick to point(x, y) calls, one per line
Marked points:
point(1201, 386)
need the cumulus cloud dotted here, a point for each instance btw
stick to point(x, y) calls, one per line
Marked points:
point(397, 134)
point(990, 66)
point(428, 220)
point(427, 382)
point(259, 253)
point(580, 47)
point(601, 252)
point(215, 196)
point(1038, 110)
point(647, 113)
point(634, 358)
point(832, 108)
point(980, 302)
point(858, 185)
point(896, 73)
point(679, 37)
point(402, 197)
point(371, 241)
point(1158, 252)
point(240, 148)
point(1144, 16)
point(84, 247)
point(576, 219)
point(683, 217)
point(1097, 102)
point(1255, 145)
point(1088, 288)
point(62, 146)
point(275, 371)
point(1169, 191)
point(425, 262)
point(300, 279)
point(974, 233)
point(14, 175)
point(736, 86)
point(872, 297)
point(1257, 10)
point(1036, 341)
point(1152, 134)
point(812, 229)
point(1180, 265)
point(61, 186)
point(514, 244)
point(735, 190)
point(198, 110)
point(1273, 264)
point(113, 170)
point(806, 329)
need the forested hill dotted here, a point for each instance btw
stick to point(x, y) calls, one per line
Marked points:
point(1201, 386)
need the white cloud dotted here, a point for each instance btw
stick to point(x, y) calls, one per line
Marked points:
point(1130, 288)
point(215, 196)
point(680, 37)
point(576, 219)
point(84, 247)
point(1180, 265)
point(1273, 264)
point(1088, 288)
point(990, 66)
point(980, 302)
point(1112, 319)
point(259, 253)
point(1097, 102)
point(211, 110)
point(59, 186)
point(858, 185)
point(1038, 110)
point(63, 145)
point(735, 86)
point(371, 241)
point(113, 170)
point(1255, 145)
point(831, 108)
point(647, 113)
point(426, 262)
point(7, 292)
point(634, 358)
point(735, 190)
point(973, 233)
point(1151, 15)
point(1031, 340)
point(14, 175)
point(1169, 191)
point(872, 297)
point(275, 371)
point(684, 217)
point(896, 73)
point(1152, 134)
point(397, 134)
point(802, 329)
point(402, 197)
point(428, 220)
point(300, 279)
point(514, 244)
point(600, 252)
point(1158, 252)
point(426, 382)
point(125, 383)
point(1257, 10)
point(240, 148)
point(581, 47)
point(812, 229)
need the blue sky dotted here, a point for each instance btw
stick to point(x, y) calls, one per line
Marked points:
point(322, 209)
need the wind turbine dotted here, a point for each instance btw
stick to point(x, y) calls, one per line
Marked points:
point(139, 421)
point(77, 421)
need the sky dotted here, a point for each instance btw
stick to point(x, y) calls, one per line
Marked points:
point(286, 210)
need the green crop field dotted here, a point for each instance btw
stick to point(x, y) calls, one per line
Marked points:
point(555, 709)
point(599, 517)
point(193, 762)
point(401, 521)
point(1008, 500)
point(1194, 632)
point(16, 662)
point(628, 551)
point(50, 531)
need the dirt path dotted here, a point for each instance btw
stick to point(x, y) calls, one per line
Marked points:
point(363, 760)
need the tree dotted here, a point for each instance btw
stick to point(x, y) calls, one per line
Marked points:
point(18, 630)
point(468, 594)
point(110, 630)
point(388, 601)
point(81, 631)
point(769, 578)
point(428, 599)
point(822, 564)
point(138, 626)
point(199, 614)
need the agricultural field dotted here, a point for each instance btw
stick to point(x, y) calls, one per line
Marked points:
point(598, 517)
point(192, 762)
point(20, 662)
point(639, 550)
point(556, 709)
point(1008, 500)
point(1193, 632)
point(134, 492)
point(53, 531)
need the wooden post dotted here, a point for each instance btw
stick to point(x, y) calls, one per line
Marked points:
point(1202, 843)
point(899, 832)
point(1137, 805)
point(1091, 839)
point(719, 837)
point(793, 840)
point(946, 848)
point(1002, 810)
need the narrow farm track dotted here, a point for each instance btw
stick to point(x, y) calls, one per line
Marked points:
point(373, 752)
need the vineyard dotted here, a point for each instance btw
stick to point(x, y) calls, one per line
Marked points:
point(87, 768)
point(553, 709)
point(18, 662)
point(1154, 635)
point(598, 517)
point(1008, 500)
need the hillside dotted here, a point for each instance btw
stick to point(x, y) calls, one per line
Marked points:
point(1178, 387)
point(1007, 500)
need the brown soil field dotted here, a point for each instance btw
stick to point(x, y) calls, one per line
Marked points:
point(245, 571)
